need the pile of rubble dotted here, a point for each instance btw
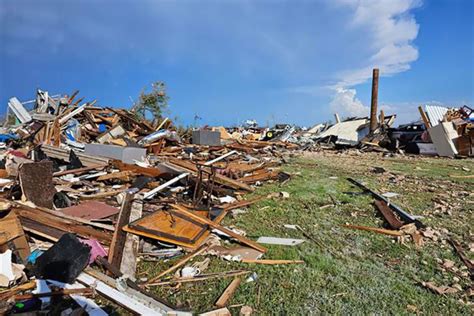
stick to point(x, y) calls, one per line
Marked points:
point(87, 191)
point(450, 131)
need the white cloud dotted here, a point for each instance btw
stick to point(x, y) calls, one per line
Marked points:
point(345, 102)
point(391, 29)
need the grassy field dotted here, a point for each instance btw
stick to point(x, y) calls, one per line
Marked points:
point(349, 271)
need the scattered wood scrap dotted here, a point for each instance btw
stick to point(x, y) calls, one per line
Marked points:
point(228, 292)
point(394, 233)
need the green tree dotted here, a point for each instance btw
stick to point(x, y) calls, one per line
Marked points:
point(153, 102)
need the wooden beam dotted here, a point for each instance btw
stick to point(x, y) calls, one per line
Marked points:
point(202, 277)
point(78, 170)
point(128, 266)
point(388, 214)
point(424, 117)
point(389, 232)
point(65, 225)
point(118, 239)
point(270, 261)
point(228, 292)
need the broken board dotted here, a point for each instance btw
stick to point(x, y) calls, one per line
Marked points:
point(172, 227)
point(36, 180)
point(90, 210)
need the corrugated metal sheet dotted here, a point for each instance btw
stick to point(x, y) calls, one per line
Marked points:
point(348, 132)
point(435, 113)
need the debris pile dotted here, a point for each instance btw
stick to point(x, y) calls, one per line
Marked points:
point(450, 131)
point(88, 191)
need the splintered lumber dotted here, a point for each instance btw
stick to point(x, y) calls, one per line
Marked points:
point(116, 175)
point(212, 224)
point(217, 312)
point(460, 252)
point(389, 232)
point(270, 261)
point(65, 225)
point(388, 214)
point(221, 179)
point(202, 277)
point(260, 175)
point(78, 170)
point(101, 194)
point(73, 95)
point(129, 117)
point(152, 193)
point(62, 292)
point(243, 203)
point(12, 236)
point(5, 295)
point(424, 117)
point(128, 264)
point(469, 176)
point(118, 239)
point(59, 214)
point(179, 263)
point(66, 117)
point(151, 172)
point(228, 292)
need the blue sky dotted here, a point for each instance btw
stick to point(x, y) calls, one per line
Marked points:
point(227, 61)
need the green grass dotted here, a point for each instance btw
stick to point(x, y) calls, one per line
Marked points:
point(355, 272)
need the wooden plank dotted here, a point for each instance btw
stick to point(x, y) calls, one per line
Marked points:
point(116, 175)
point(460, 252)
point(202, 277)
point(5, 295)
point(228, 292)
point(388, 214)
point(78, 170)
point(12, 236)
point(203, 220)
point(56, 133)
point(151, 172)
point(73, 95)
point(271, 262)
point(389, 232)
point(101, 195)
point(60, 215)
point(65, 225)
point(119, 237)
point(260, 175)
point(424, 117)
point(128, 266)
point(127, 116)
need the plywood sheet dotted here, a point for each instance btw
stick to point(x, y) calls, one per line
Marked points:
point(91, 210)
point(171, 225)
